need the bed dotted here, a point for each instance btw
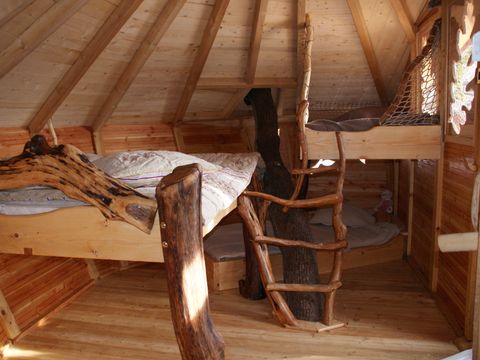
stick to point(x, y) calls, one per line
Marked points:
point(380, 142)
point(369, 242)
point(45, 222)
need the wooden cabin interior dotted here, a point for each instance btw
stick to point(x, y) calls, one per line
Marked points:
point(115, 76)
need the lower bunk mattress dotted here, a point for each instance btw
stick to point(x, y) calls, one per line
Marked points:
point(370, 244)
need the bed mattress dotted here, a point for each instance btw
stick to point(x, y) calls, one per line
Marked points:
point(219, 189)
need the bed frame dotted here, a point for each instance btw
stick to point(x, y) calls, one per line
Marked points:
point(174, 236)
point(83, 232)
point(381, 142)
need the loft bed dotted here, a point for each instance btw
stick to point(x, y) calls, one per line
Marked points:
point(409, 128)
point(84, 232)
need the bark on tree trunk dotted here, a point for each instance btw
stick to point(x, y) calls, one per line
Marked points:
point(299, 265)
point(178, 196)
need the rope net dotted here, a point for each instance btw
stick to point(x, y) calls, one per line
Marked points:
point(417, 98)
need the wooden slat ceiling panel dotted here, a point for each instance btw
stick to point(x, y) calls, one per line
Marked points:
point(341, 78)
point(383, 26)
point(208, 103)
point(83, 104)
point(157, 88)
point(340, 74)
point(27, 85)
point(277, 56)
point(229, 52)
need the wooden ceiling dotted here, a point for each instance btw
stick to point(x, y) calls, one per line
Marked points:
point(93, 62)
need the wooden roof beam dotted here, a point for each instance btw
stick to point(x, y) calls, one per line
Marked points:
point(144, 51)
point(21, 5)
point(209, 35)
point(405, 19)
point(233, 103)
point(240, 83)
point(102, 38)
point(253, 53)
point(35, 34)
point(256, 39)
point(367, 46)
point(301, 17)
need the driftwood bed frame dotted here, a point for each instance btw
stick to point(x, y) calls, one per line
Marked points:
point(90, 232)
point(173, 237)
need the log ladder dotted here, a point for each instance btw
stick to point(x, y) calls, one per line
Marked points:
point(255, 225)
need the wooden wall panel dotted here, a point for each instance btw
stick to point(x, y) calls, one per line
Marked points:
point(34, 286)
point(403, 190)
point(364, 183)
point(423, 216)
point(137, 137)
point(204, 139)
point(12, 140)
point(454, 269)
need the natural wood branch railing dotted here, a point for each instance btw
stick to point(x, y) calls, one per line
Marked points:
point(66, 168)
point(178, 196)
point(255, 225)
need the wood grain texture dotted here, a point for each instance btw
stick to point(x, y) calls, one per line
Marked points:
point(146, 48)
point(35, 286)
point(7, 319)
point(368, 49)
point(179, 208)
point(255, 39)
point(127, 315)
point(423, 217)
point(455, 288)
point(381, 142)
point(44, 26)
point(68, 169)
point(102, 38)
point(208, 38)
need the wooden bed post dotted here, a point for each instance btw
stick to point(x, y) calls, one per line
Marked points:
point(178, 197)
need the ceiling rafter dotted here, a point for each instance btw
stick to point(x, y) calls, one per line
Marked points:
point(233, 103)
point(36, 33)
point(94, 48)
point(256, 39)
point(405, 19)
point(208, 38)
point(21, 6)
point(301, 16)
point(253, 53)
point(144, 51)
point(367, 46)
point(240, 83)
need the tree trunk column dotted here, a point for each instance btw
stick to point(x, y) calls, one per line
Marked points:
point(178, 197)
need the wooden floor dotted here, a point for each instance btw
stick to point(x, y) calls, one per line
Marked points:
point(127, 316)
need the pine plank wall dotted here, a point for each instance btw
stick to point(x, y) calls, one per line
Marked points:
point(35, 286)
point(448, 275)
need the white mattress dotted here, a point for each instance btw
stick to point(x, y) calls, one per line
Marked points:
point(219, 189)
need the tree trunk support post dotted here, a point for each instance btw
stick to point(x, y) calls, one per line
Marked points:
point(178, 197)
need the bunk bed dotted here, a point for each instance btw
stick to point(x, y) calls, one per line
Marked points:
point(408, 129)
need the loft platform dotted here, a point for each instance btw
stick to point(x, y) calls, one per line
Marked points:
point(381, 142)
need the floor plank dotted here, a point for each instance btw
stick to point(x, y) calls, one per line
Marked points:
point(127, 316)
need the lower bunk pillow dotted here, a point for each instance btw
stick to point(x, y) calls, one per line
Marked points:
point(225, 242)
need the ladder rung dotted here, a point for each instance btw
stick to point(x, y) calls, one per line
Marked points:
point(300, 243)
point(312, 171)
point(323, 288)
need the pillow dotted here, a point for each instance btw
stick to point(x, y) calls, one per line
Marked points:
point(351, 215)
point(346, 125)
point(146, 168)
